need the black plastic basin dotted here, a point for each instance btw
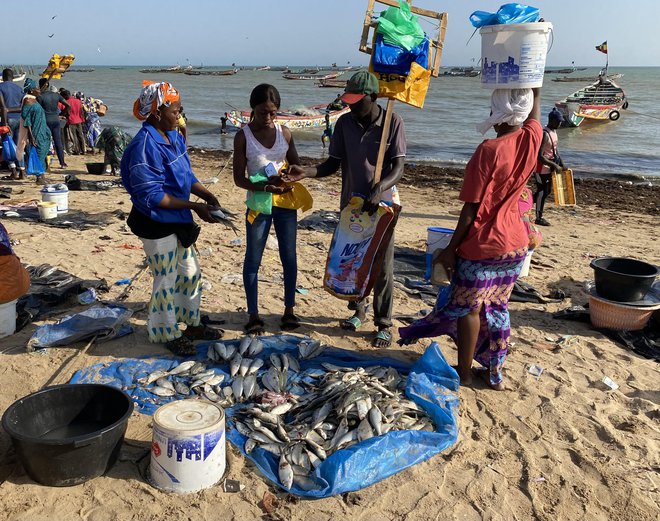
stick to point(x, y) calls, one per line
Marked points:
point(95, 168)
point(68, 434)
point(622, 279)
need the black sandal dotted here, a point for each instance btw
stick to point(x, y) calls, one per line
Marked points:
point(203, 332)
point(290, 321)
point(181, 346)
point(255, 327)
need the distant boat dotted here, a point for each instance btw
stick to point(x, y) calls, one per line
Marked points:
point(264, 68)
point(565, 79)
point(81, 70)
point(294, 76)
point(601, 101)
point(331, 83)
point(206, 72)
point(292, 120)
point(462, 72)
point(17, 79)
point(176, 68)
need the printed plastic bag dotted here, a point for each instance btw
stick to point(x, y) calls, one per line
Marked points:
point(34, 164)
point(392, 59)
point(507, 14)
point(400, 27)
point(8, 149)
point(355, 251)
point(260, 202)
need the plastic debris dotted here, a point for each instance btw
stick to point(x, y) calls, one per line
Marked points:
point(205, 252)
point(206, 285)
point(236, 242)
point(232, 278)
point(122, 282)
point(535, 370)
point(87, 297)
point(610, 383)
point(302, 291)
point(232, 485)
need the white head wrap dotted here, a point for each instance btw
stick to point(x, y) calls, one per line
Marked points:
point(511, 106)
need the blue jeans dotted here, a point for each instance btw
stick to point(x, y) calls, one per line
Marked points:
point(56, 132)
point(286, 227)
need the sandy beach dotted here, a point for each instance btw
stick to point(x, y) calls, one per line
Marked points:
point(556, 447)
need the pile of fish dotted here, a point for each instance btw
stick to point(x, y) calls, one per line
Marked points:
point(301, 416)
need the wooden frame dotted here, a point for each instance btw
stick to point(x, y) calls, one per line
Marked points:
point(436, 44)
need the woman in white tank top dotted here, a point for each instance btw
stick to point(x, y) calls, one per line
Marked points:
point(263, 146)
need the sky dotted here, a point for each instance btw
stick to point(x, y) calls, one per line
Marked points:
point(299, 32)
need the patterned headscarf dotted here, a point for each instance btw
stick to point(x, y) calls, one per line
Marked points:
point(153, 96)
point(29, 85)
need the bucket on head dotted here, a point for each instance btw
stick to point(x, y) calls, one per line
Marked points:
point(513, 55)
point(437, 239)
point(7, 318)
point(524, 271)
point(188, 447)
point(47, 210)
point(61, 197)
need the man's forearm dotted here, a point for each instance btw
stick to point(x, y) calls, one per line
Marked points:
point(327, 168)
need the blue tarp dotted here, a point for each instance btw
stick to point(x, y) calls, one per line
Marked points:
point(431, 383)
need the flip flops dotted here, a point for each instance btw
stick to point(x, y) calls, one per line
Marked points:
point(255, 327)
point(203, 332)
point(181, 346)
point(382, 339)
point(352, 324)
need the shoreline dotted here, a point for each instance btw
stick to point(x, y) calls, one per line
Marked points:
point(615, 194)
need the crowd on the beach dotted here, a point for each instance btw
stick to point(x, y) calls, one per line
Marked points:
point(482, 261)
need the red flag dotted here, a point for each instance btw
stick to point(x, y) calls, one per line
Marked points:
point(602, 47)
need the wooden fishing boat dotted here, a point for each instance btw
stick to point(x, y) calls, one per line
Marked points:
point(601, 101)
point(292, 120)
point(176, 68)
point(195, 72)
point(331, 83)
point(17, 79)
point(565, 79)
point(264, 68)
point(294, 76)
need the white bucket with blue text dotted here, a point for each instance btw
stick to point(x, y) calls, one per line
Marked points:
point(188, 449)
point(437, 239)
point(58, 194)
point(513, 55)
point(7, 318)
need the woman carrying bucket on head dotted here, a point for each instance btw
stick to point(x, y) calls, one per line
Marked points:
point(488, 247)
point(156, 172)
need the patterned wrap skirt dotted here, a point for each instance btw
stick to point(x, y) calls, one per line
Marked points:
point(485, 285)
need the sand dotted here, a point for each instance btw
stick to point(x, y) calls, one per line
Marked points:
point(557, 447)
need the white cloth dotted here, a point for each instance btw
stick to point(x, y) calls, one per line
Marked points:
point(511, 106)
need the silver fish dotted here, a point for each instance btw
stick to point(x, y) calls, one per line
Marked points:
point(376, 419)
point(152, 377)
point(285, 472)
point(305, 482)
point(211, 396)
point(364, 431)
point(256, 364)
point(362, 408)
point(164, 382)
point(281, 409)
point(250, 444)
point(212, 355)
point(249, 386)
point(235, 364)
point(273, 448)
point(181, 388)
point(196, 368)
point(216, 379)
point(237, 387)
point(182, 367)
point(227, 391)
point(256, 346)
point(242, 428)
point(244, 344)
point(275, 361)
point(244, 366)
point(309, 349)
point(285, 362)
point(321, 414)
point(162, 391)
point(292, 363)
point(342, 429)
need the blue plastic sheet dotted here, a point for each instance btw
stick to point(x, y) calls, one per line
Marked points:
point(506, 14)
point(392, 59)
point(104, 322)
point(431, 383)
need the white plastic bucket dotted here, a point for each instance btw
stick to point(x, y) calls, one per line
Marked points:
point(513, 55)
point(47, 210)
point(524, 271)
point(61, 197)
point(7, 318)
point(188, 446)
point(437, 239)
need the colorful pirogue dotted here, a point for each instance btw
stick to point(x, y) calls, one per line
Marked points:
point(601, 101)
point(293, 120)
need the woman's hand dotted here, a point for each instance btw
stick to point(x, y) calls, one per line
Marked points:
point(295, 173)
point(277, 189)
point(204, 212)
point(447, 258)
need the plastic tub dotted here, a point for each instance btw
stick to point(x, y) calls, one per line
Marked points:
point(513, 55)
point(188, 447)
point(436, 239)
point(7, 318)
point(612, 315)
point(47, 210)
point(68, 434)
point(95, 168)
point(622, 279)
point(61, 197)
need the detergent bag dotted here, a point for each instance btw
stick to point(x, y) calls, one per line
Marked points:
point(355, 255)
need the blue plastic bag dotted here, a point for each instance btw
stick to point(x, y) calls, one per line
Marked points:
point(8, 149)
point(507, 14)
point(34, 164)
point(392, 59)
point(431, 383)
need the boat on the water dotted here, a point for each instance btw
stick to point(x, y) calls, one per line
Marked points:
point(462, 72)
point(564, 79)
point(331, 83)
point(18, 78)
point(176, 68)
point(293, 76)
point(205, 72)
point(82, 70)
point(600, 101)
point(264, 68)
point(312, 117)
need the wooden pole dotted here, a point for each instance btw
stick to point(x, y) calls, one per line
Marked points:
point(383, 140)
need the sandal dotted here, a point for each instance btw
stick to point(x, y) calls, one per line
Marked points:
point(382, 339)
point(352, 324)
point(255, 327)
point(290, 321)
point(203, 332)
point(181, 346)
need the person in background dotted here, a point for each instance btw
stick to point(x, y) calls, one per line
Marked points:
point(327, 132)
point(75, 118)
point(183, 120)
point(261, 144)
point(50, 100)
point(354, 147)
point(488, 247)
point(549, 163)
point(14, 278)
point(223, 123)
point(113, 141)
point(92, 127)
point(11, 96)
point(33, 120)
point(156, 172)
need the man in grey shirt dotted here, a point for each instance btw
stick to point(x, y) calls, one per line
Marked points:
point(354, 147)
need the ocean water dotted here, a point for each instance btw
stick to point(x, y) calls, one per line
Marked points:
point(442, 132)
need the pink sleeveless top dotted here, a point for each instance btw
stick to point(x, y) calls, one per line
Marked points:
point(549, 150)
